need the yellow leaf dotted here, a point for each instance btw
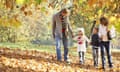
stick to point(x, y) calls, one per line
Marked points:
point(19, 2)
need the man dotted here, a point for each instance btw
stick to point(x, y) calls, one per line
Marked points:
point(60, 29)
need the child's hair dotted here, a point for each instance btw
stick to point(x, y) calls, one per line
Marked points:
point(96, 28)
point(104, 21)
point(81, 32)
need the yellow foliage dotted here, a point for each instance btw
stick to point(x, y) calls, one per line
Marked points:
point(5, 23)
point(112, 19)
point(10, 22)
point(19, 2)
point(15, 23)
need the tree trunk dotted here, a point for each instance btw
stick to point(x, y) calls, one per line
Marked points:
point(9, 4)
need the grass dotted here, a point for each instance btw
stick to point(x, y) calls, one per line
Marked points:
point(44, 48)
point(28, 46)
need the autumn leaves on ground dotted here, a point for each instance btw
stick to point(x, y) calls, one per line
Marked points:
point(16, 60)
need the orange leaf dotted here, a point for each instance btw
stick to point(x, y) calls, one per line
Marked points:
point(91, 2)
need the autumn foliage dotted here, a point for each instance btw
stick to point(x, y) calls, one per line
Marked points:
point(16, 60)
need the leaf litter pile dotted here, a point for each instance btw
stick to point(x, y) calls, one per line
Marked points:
point(16, 60)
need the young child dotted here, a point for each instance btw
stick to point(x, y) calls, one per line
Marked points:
point(95, 46)
point(81, 42)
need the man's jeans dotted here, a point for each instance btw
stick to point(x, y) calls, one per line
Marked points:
point(106, 46)
point(95, 55)
point(58, 47)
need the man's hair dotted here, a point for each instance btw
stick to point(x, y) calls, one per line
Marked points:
point(104, 21)
point(64, 10)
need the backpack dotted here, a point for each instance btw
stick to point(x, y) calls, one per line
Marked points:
point(111, 34)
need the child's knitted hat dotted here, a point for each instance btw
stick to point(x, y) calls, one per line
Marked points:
point(81, 29)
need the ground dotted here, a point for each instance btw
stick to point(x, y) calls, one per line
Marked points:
point(18, 60)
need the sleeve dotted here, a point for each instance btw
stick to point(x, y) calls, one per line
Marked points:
point(86, 38)
point(69, 26)
point(75, 38)
point(91, 39)
point(113, 32)
point(99, 31)
point(53, 26)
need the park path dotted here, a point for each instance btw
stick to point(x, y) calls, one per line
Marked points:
point(16, 60)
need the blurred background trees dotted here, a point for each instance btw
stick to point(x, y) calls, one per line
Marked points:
point(30, 20)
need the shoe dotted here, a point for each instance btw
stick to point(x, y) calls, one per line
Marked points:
point(96, 66)
point(59, 60)
point(81, 62)
point(68, 61)
point(103, 68)
point(111, 66)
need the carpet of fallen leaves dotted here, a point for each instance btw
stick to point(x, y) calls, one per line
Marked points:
point(16, 60)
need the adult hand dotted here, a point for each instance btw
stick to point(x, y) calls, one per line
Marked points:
point(54, 36)
point(72, 36)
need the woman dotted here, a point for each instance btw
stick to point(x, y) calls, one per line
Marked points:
point(105, 42)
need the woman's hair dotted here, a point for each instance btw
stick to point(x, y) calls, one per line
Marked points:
point(104, 21)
